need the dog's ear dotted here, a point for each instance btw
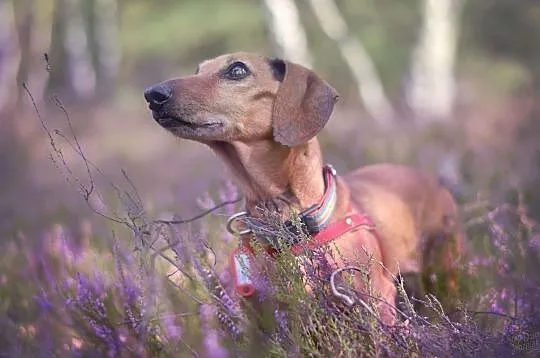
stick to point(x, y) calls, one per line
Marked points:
point(303, 104)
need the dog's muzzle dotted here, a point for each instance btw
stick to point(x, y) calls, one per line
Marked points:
point(157, 96)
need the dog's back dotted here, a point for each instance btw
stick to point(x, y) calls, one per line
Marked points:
point(417, 218)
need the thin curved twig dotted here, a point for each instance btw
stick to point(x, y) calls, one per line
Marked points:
point(201, 215)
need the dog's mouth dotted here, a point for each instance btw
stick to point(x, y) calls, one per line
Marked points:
point(168, 121)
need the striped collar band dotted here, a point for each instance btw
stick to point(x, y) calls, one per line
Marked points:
point(317, 217)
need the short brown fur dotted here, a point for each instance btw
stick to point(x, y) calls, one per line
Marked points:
point(264, 128)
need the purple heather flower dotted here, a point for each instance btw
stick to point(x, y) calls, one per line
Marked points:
point(132, 293)
point(172, 330)
point(180, 246)
point(107, 335)
point(226, 236)
point(46, 342)
point(99, 330)
point(199, 240)
point(47, 271)
point(212, 345)
point(43, 301)
point(282, 325)
point(228, 192)
point(263, 286)
point(534, 241)
point(483, 262)
point(225, 277)
point(211, 339)
point(511, 328)
point(206, 202)
point(496, 301)
point(503, 294)
point(129, 290)
point(135, 322)
point(65, 244)
point(503, 268)
point(89, 295)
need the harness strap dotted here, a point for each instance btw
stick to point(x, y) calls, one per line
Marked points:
point(351, 222)
point(243, 255)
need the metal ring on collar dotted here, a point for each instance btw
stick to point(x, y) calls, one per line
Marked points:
point(232, 219)
point(332, 169)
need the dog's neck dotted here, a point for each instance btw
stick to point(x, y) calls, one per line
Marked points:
point(274, 176)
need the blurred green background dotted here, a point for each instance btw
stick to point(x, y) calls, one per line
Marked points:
point(101, 54)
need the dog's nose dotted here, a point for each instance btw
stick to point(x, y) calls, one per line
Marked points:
point(158, 95)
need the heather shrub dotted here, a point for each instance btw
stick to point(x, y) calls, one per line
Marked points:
point(165, 291)
point(148, 287)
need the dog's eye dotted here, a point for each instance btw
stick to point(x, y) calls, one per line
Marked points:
point(237, 71)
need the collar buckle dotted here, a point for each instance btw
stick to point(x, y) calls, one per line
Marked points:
point(331, 168)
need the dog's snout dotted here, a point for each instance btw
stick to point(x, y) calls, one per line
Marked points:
point(158, 95)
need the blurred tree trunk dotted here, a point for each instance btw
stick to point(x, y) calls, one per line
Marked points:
point(24, 15)
point(289, 36)
point(16, 24)
point(82, 74)
point(24, 20)
point(8, 55)
point(431, 91)
point(432, 88)
point(59, 74)
point(101, 18)
point(369, 85)
point(72, 74)
point(108, 45)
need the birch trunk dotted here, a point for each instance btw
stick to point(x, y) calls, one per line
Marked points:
point(106, 45)
point(432, 88)
point(72, 73)
point(431, 91)
point(24, 19)
point(369, 85)
point(8, 55)
point(81, 72)
point(288, 34)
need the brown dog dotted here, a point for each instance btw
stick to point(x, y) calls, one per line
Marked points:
point(261, 117)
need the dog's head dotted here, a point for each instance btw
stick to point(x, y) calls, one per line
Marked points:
point(244, 97)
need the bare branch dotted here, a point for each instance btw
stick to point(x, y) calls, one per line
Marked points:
point(58, 158)
point(60, 105)
point(201, 215)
